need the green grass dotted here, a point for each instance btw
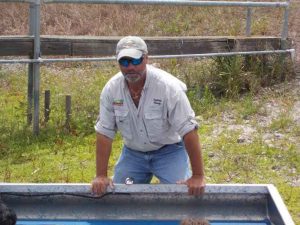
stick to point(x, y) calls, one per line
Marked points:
point(283, 122)
point(56, 154)
point(62, 155)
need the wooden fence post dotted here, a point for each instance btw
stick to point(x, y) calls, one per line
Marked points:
point(30, 92)
point(68, 112)
point(47, 106)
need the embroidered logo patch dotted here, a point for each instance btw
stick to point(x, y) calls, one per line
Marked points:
point(118, 102)
point(157, 101)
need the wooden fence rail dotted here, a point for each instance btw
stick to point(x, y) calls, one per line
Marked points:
point(105, 46)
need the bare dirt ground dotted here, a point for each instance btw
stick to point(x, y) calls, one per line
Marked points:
point(274, 107)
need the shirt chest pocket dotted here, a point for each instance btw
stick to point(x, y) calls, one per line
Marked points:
point(156, 125)
point(123, 123)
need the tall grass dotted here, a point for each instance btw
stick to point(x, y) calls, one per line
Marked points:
point(231, 77)
point(118, 20)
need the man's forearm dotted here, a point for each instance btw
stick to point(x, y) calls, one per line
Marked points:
point(192, 145)
point(103, 150)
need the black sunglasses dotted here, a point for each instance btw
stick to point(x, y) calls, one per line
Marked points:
point(125, 61)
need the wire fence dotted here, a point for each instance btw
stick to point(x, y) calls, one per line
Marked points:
point(37, 60)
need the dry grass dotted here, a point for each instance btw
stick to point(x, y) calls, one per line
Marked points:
point(13, 19)
point(116, 20)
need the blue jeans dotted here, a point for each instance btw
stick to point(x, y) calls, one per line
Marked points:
point(169, 164)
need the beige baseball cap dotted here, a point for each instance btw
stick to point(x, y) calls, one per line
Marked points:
point(131, 46)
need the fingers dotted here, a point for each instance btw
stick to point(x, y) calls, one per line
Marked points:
point(100, 184)
point(103, 187)
point(196, 186)
point(202, 190)
point(196, 191)
point(96, 189)
point(111, 184)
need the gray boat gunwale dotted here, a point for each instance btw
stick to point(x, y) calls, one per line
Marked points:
point(278, 207)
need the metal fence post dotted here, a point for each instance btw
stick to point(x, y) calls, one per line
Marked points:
point(247, 59)
point(30, 68)
point(284, 33)
point(248, 22)
point(283, 43)
point(36, 66)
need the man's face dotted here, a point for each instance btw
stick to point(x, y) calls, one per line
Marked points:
point(133, 69)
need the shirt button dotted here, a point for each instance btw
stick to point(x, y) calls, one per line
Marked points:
point(141, 130)
point(145, 143)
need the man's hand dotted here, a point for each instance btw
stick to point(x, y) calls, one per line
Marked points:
point(100, 184)
point(196, 185)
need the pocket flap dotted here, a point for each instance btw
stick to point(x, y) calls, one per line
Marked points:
point(121, 113)
point(153, 115)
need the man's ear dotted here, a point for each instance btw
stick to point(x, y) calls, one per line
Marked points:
point(146, 58)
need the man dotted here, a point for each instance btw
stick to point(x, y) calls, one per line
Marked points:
point(152, 112)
